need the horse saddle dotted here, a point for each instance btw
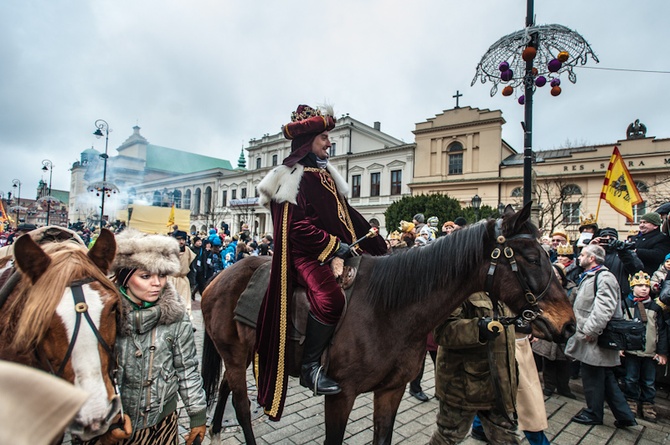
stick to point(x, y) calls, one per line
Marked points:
point(249, 303)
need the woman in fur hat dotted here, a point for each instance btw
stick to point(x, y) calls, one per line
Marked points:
point(155, 342)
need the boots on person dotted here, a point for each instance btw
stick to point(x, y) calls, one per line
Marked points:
point(318, 336)
point(634, 407)
point(649, 412)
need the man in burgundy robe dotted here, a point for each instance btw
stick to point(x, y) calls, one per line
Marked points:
point(313, 223)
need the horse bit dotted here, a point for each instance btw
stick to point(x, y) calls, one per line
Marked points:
point(532, 309)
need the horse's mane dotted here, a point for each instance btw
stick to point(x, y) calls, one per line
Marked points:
point(408, 277)
point(33, 307)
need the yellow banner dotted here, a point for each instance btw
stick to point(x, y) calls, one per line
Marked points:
point(619, 190)
point(170, 222)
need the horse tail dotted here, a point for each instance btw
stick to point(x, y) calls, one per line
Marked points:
point(211, 368)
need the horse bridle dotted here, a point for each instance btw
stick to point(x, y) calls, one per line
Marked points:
point(81, 308)
point(532, 308)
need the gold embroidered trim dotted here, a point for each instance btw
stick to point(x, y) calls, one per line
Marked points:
point(283, 310)
point(329, 248)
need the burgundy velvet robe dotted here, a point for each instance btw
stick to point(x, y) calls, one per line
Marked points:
point(310, 229)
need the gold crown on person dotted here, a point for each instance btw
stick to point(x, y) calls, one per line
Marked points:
point(394, 235)
point(587, 220)
point(406, 226)
point(639, 278)
point(565, 249)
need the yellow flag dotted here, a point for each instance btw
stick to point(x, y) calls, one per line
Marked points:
point(170, 222)
point(619, 190)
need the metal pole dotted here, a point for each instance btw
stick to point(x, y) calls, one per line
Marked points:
point(528, 113)
point(104, 179)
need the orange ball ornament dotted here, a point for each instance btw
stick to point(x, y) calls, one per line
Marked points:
point(563, 56)
point(534, 71)
point(555, 91)
point(529, 53)
point(507, 91)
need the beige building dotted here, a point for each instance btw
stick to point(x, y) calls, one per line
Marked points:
point(461, 152)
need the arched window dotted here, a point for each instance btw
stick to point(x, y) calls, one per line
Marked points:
point(187, 200)
point(176, 195)
point(196, 201)
point(571, 190)
point(517, 192)
point(208, 200)
point(157, 198)
point(641, 187)
point(455, 151)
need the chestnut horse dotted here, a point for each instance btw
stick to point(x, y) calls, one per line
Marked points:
point(60, 316)
point(397, 300)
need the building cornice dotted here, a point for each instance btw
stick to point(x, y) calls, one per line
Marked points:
point(479, 123)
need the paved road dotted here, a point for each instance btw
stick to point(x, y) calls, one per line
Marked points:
point(303, 423)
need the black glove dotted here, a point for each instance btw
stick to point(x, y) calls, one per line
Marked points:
point(620, 245)
point(343, 251)
point(665, 299)
point(486, 334)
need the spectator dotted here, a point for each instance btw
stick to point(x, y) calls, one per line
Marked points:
point(651, 245)
point(639, 383)
point(460, 223)
point(596, 303)
point(565, 257)
point(660, 276)
point(448, 227)
point(663, 211)
point(558, 237)
point(620, 258)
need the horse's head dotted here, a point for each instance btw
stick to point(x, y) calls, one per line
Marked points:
point(65, 321)
point(520, 274)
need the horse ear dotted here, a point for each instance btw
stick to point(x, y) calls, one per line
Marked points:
point(515, 221)
point(30, 258)
point(104, 250)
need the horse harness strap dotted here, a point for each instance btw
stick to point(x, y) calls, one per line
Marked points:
point(81, 307)
point(532, 309)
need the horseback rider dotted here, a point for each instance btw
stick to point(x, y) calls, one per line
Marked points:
point(313, 223)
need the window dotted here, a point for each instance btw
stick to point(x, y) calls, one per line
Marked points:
point(331, 152)
point(571, 189)
point(641, 187)
point(177, 199)
point(233, 194)
point(517, 192)
point(196, 201)
point(274, 160)
point(355, 186)
point(396, 182)
point(243, 193)
point(256, 195)
point(570, 213)
point(638, 211)
point(187, 200)
point(224, 200)
point(156, 201)
point(374, 183)
point(208, 200)
point(455, 158)
point(258, 163)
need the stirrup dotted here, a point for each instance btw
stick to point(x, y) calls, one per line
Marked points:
point(317, 374)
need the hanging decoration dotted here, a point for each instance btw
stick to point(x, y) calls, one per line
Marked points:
point(559, 49)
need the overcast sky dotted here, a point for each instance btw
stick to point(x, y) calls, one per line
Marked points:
point(207, 76)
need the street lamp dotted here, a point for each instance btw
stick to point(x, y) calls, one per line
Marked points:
point(103, 188)
point(16, 183)
point(476, 204)
point(47, 165)
point(501, 208)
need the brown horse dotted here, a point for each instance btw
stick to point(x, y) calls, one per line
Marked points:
point(60, 316)
point(397, 300)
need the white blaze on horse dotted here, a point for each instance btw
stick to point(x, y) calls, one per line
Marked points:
point(58, 314)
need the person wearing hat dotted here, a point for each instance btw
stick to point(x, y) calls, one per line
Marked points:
point(419, 222)
point(21, 229)
point(460, 223)
point(558, 237)
point(651, 245)
point(155, 347)
point(180, 279)
point(314, 226)
point(448, 227)
point(663, 211)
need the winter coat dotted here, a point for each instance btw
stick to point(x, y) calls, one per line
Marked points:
point(592, 312)
point(463, 376)
point(172, 368)
point(622, 263)
point(656, 339)
point(652, 249)
point(658, 278)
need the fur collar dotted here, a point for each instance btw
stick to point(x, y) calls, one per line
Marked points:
point(169, 309)
point(283, 183)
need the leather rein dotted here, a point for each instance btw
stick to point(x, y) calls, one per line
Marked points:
point(531, 310)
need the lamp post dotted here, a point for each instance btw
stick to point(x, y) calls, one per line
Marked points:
point(103, 188)
point(501, 208)
point(47, 165)
point(476, 204)
point(16, 183)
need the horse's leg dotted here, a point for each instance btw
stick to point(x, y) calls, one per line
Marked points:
point(385, 409)
point(224, 391)
point(236, 363)
point(338, 408)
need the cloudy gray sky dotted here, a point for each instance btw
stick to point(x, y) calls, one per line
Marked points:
point(206, 76)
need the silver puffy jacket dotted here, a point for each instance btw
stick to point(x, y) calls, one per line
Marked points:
point(149, 382)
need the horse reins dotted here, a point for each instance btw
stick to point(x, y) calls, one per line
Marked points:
point(532, 309)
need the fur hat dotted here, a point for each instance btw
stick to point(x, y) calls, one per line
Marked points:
point(652, 218)
point(153, 253)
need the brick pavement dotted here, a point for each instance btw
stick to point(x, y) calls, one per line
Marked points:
point(303, 423)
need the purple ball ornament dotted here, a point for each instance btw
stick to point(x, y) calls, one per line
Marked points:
point(554, 65)
point(504, 66)
point(521, 99)
point(555, 82)
point(507, 75)
point(541, 81)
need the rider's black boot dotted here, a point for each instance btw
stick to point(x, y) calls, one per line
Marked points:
point(318, 336)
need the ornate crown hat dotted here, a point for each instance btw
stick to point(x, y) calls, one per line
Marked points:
point(394, 235)
point(307, 120)
point(565, 250)
point(639, 278)
point(586, 221)
point(406, 226)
